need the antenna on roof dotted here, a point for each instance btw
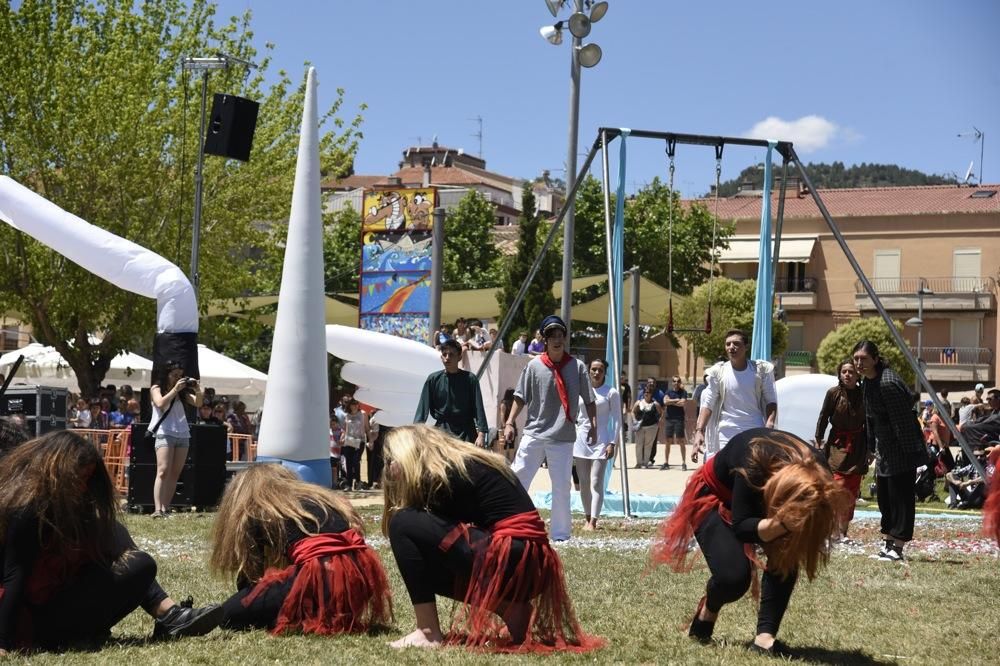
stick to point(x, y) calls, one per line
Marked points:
point(479, 134)
point(968, 174)
point(980, 136)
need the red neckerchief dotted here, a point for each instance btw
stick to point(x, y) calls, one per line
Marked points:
point(556, 369)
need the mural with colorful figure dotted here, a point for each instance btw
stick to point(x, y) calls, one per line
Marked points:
point(399, 210)
point(396, 262)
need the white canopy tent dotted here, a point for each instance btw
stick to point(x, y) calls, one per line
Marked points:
point(44, 365)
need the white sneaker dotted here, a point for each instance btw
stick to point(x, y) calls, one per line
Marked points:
point(893, 554)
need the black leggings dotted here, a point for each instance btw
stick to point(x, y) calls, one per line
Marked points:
point(262, 613)
point(731, 575)
point(352, 458)
point(897, 501)
point(96, 599)
point(415, 537)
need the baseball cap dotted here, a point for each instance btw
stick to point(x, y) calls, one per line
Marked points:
point(980, 387)
point(550, 322)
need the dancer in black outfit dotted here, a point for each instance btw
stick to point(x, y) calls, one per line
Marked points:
point(70, 569)
point(462, 526)
point(765, 487)
point(299, 556)
point(895, 437)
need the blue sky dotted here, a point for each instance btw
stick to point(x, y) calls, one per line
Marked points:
point(888, 81)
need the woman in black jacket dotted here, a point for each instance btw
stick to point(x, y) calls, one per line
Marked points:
point(895, 437)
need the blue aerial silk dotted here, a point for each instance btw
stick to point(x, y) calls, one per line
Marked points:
point(761, 338)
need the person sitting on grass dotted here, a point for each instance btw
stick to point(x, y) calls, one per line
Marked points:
point(71, 571)
point(299, 556)
point(461, 526)
point(966, 489)
point(765, 487)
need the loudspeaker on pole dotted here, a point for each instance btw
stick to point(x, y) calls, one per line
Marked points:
point(231, 127)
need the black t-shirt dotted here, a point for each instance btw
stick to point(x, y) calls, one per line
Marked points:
point(748, 503)
point(484, 498)
point(676, 412)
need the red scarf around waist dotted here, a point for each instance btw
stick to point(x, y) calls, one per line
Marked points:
point(844, 439)
point(676, 531)
point(556, 368)
point(322, 545)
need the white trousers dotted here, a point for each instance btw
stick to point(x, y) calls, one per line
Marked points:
point(559, 456)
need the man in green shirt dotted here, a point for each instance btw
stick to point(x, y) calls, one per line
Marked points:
point(452, 397)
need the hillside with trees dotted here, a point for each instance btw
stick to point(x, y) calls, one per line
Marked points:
point(836, 175)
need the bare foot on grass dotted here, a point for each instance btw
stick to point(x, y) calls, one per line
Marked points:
point(418, 639)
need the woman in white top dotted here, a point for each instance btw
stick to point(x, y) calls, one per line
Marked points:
point(173, 436)
point(592, 459)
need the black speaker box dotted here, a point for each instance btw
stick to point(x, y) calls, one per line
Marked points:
point(231, 127)
point(201, 481)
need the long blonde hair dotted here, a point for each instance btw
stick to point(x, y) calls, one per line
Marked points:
point(249, 533)
point(800, 492)
point(418, 459)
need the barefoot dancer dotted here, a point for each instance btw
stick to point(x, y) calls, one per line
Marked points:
point(462, 526)
point(591, 457)
point(299, 556)
point(765, 487)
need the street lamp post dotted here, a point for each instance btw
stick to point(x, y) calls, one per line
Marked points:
point(918, 323)
point(580, 56)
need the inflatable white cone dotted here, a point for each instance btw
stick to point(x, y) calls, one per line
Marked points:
point(295, 424)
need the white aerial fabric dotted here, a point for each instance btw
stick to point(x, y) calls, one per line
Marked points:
point(295, 423)
point(121, 262)
point(388, 371)
point(800, 399)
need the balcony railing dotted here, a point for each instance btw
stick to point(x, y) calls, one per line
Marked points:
point(956, 355)
point(938, 285)
point(793, 285)
point(799, 358)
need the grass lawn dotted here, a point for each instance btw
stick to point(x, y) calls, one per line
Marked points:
point(943, 607)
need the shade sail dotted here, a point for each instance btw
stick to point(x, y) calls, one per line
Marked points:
point(468, 303)
point(747, 250)
point(653, 300)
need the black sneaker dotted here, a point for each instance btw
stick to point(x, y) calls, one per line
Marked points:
point(184, 620)
point(891, 554)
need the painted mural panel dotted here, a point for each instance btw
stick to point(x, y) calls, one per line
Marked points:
point(412, 327)
point(394, 251)
point(399, 210)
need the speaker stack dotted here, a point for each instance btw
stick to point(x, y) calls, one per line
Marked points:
point(201, 481)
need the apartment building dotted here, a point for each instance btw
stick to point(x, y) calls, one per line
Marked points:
point(932, 251)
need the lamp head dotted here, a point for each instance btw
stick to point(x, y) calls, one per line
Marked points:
point(552, 33)
point(914, 322)
point(597, 11)
point(589, 55)
point(554, 6)
point(579, 25)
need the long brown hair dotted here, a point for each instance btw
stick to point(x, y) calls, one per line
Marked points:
point(800, 492)
point(60, 480)
point(249, 534)
point(418, 459)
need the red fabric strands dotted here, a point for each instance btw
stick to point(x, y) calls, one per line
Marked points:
point(991, 508)
point(530, 586)
point(845, 439)
point(556, 369)
point(676, 531)
point(339, 587)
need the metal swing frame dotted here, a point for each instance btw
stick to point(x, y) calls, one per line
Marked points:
point(787, 151)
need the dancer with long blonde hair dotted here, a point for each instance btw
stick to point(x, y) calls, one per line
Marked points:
point(462, 526)
point(765, 487)
point(299, 556)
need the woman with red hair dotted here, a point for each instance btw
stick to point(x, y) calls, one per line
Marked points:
point(767, 488)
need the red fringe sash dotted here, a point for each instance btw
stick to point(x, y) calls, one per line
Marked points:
point(991, 508)
point(340, 586)
point(537, 580)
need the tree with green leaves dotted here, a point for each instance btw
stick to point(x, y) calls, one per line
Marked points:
point(838, 346)
point(732, 304)
point(471, 260)
point(538, 301)
point(98, 116)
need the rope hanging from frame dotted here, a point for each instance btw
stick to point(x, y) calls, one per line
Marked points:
point(671, 328)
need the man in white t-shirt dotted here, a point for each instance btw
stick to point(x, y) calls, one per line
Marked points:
point(740, 395)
